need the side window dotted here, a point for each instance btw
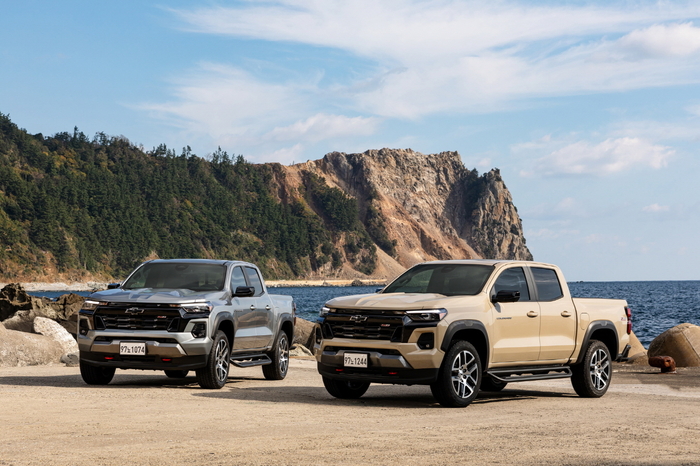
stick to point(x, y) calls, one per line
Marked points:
point(547, 282)
point(237, 279)
point(513, 280)
point(254, 280)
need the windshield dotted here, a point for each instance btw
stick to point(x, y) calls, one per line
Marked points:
point(174, 275)
point(445, 279)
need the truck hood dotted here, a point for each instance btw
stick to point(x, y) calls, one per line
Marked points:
point(397, 301)
point(150, 295)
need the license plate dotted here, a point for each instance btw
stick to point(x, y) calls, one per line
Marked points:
point(132, 348)
point(355, 360)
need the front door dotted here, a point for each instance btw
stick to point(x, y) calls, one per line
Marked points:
point(516, 326)
point(244, 308)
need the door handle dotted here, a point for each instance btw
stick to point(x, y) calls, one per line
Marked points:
point(565, 314)
point(267, 307)
point(252, 307)
point(532, 314)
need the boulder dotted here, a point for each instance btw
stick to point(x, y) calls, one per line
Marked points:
point(53, 329)
point(13, 298)
point(681, 342)
point(27, 349)
point(300, 351)
point(18, 309)
point(637, 354)
point(304, 333)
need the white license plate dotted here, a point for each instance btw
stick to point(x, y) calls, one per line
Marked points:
point(355, 360)
point(132, 348)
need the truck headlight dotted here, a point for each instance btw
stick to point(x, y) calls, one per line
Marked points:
point(427, 315)
point(196, 307)
point(324, 311)
point(90, 305)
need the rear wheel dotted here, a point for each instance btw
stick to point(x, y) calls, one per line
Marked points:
point(215, 373)
point(280, 359)
point(591, 378)
point(459, 378)
point(175, 374)
point(96, 375)
point(345, 389)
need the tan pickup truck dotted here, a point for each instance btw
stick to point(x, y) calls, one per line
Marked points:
point(469, 325)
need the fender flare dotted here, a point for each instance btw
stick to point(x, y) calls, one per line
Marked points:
point(592, 327)
point(220, 317)
point(467, 324)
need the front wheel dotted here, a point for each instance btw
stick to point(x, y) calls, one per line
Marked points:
point(459, 378)
point(96, 375)
point(345, 389)
point(280, 359)
point(591, 378)
point(215, 373)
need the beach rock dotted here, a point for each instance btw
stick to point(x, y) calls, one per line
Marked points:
point(637, 354)
point(71, 359)
point(13, 298)
point(304, 333)
point(27, 349)
point(681, 342)
point(53, 329)
point(300, 351)
point(18, 309)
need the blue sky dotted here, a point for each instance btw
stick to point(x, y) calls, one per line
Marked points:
point(591, 110)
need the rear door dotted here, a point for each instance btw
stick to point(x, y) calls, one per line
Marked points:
point(263, 312)
point(516, 326)
point(558, 316)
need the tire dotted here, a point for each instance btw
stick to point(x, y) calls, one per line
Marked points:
point(215, 373)
point(345, 389)
point(280, 359)
point(176, 374)
point(490, 385)
point(96, 375)
point(459, 378)
point(592, 377)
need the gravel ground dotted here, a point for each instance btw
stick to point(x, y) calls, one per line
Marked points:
point(50, 417)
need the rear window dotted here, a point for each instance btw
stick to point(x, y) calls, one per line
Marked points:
point(445, 279)
point(547, 283)
point(178, 275)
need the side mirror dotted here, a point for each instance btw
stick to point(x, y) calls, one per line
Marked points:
point(379, 290)
point(244, 291)
point(112, 286)
point(506, 296)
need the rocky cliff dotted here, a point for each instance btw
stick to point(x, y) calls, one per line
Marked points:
point(428, 207)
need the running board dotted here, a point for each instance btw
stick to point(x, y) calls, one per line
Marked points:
point(524, 374)
point(250, 360)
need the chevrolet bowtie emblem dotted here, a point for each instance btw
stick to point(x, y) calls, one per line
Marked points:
point(358, 318)
point(134, 310)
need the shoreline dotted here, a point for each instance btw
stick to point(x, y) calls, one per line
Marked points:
point(97, 286)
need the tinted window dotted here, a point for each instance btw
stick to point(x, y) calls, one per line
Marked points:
point(513, 280)
point(446, 279)
point(547, 282)
point(254, 280)
point(237, 279)
point(174, 275)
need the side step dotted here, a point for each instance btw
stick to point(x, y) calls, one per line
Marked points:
point(523, 374)
point(249, 360)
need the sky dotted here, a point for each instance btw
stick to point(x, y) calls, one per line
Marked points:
point(590, 109)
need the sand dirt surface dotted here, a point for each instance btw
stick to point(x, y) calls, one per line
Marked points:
point(50, 417)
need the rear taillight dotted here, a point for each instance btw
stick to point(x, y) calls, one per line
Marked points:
point(628, 311)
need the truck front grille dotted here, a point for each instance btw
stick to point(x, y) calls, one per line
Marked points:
point(364, 326)
point(134, 317)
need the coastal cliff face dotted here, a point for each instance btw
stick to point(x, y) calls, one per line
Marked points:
point(429, 206)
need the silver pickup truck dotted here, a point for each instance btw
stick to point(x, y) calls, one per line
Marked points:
point(180, 315)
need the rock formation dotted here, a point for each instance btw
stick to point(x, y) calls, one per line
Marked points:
point(681, 342)
point(27, 349)
point(430, 206)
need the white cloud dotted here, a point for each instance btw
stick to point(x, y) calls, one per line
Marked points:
point(322, 126)
point(674, 40)
point(656, 208)
point(605, 158)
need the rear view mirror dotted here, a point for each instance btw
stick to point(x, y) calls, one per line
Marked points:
point(506, 296)
point(244, 291)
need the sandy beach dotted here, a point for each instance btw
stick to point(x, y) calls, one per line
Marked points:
point(51, 417)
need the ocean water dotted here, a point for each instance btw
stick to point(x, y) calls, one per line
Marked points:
point(656, 305)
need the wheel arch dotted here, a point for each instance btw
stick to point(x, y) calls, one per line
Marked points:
point(472, 331)
point(224, 322)
point(603, 331)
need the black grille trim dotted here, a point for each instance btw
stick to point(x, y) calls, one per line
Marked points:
point(380, 325)
point(128, 316)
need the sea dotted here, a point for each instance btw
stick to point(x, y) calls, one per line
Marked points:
point(656, 305)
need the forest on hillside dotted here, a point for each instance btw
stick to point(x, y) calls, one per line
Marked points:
point(102, 205)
